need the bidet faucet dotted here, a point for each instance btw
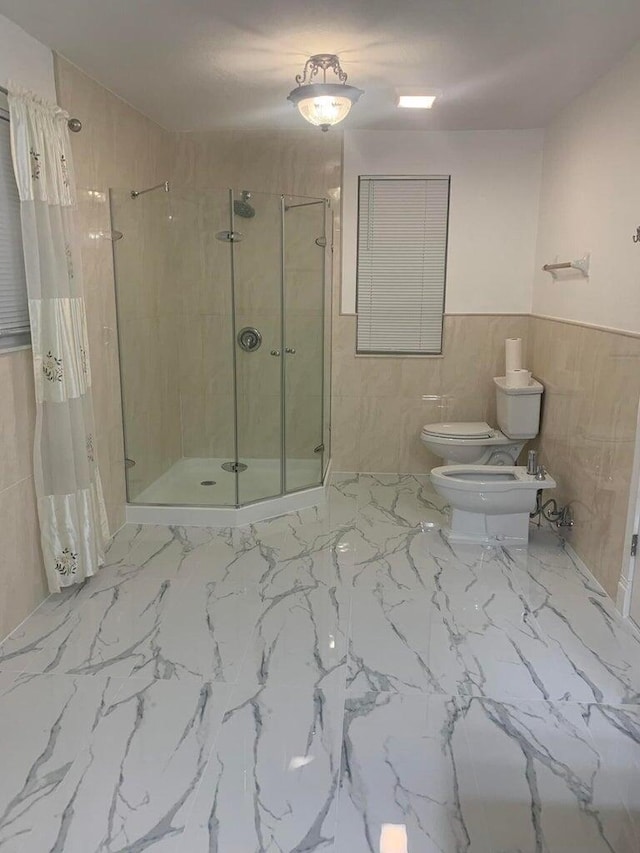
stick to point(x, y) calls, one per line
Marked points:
point(540, 473)
point(532, 462)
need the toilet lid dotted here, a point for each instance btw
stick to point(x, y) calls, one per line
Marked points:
point(474, 429)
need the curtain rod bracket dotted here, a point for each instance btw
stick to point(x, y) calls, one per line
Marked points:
point(74, 124)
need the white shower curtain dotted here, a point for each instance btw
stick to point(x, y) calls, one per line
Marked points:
point(73, 521)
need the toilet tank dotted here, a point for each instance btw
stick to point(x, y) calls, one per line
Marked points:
point(518, 409)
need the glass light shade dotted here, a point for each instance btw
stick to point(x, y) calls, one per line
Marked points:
point(324, 104)
point(324, 110)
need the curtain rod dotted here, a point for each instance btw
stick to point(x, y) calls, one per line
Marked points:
point(74, 124)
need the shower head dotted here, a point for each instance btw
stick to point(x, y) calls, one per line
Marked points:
point(241, 207)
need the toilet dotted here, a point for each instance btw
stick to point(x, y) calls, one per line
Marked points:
point(489, 495)
point(489, 503)
point(477, 443)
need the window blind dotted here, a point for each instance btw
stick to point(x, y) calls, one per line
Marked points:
point(402, 258)
point(14, 309)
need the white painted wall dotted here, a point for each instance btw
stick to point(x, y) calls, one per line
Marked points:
point(495, 183)
point(25, 60)
point(590, 200)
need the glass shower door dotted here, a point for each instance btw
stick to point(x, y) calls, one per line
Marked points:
point(257, 279)
point(175, 331)
point(303, 309)
point(207, 391)
point(148, 342)
point(222, 306)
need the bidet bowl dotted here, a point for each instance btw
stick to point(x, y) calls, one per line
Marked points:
point(489, 489)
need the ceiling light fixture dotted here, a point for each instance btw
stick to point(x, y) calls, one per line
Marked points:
point(323, 104)
point(416, 99)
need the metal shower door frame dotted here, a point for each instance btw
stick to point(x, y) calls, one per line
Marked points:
point(234, 358)
point(284, 344)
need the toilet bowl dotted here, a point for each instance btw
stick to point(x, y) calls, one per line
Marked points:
point(471, 443)
point(518, 413)
point(489, 503)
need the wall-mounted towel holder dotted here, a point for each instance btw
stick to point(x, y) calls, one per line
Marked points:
point(582, 265)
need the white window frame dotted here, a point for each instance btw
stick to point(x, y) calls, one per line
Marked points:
point(407, 232)
point(14, 306)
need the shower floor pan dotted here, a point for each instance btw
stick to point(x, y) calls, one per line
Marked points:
point(179, 497)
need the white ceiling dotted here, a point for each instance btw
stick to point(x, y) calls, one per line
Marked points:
point(202, 64)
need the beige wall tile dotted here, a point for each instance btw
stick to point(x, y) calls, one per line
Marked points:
point(592, 385)
point(17, 417)
point(345, 433)
point(379, 435)
point(420, 377)
point(380, 377)
point(413, 456)
point(460, 380)
point(21, 572)
point(347, 376)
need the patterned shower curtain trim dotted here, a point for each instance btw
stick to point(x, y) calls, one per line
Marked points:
point(71, 509)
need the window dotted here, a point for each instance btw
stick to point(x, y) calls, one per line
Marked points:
point(14, 309)
point(402, 261)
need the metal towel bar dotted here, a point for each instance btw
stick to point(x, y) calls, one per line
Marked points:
point(582, 265)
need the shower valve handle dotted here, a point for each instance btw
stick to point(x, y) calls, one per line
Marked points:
point(291, 350)
point(275, 352)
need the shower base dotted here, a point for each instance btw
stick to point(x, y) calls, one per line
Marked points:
point(179, 497)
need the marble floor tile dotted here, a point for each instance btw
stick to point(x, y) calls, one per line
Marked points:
point(541, 779)
point(547, 570)
point(300, 637)
point(108, 631)
point(401, 499)
point(401, 560)
point(440, 623)
point(32, 645)
point(407, 770)
point(338, 679)
point(136, 781)
point(390, 644)
point(587, 637)
point(616, 733)
point(103, 764)
point(272, 781)
point(200, 628)
point(45, 723)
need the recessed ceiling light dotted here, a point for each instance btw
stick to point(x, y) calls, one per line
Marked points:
point(416, 99)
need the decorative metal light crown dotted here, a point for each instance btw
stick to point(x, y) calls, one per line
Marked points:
point(323, 104)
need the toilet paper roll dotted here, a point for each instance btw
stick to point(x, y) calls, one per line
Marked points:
point(519, 378)
point(513, 354)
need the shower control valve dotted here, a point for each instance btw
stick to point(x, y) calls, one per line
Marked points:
point(249, 339)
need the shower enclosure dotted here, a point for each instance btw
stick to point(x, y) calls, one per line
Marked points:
point(223, 303)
